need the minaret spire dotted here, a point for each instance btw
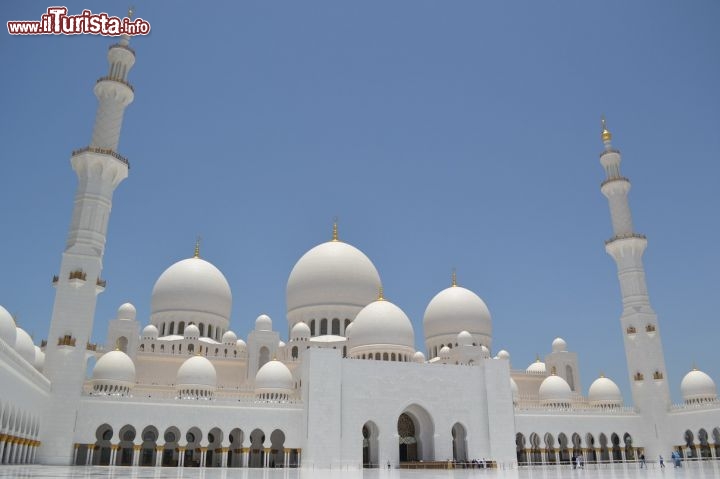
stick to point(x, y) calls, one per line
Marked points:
point(643, 346)
point(335, 229)
point(100, 169)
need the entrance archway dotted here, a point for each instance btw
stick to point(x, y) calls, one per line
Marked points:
point(235, 453)
point(277, 449)
point(256, 456)
point(416, 430)
point(459, 445)
point(103, 434)
point(213, 456)
point(170, 454)
point(149, 446)
point(370, 445)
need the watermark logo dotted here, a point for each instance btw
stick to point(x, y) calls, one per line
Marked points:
point(57, 22)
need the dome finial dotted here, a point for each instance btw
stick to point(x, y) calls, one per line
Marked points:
point(117, 344)
point(606, 135)
point(335, 229)
point(602, 374)
point(694, 368)
point(380, 294)
point(553, 371)
point(197, 248)
point(454, 277)
point(537, 358)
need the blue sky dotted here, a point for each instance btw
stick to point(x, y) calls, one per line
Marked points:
point(442, 134)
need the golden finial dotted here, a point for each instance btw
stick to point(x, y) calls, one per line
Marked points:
point(117, 344)
point(131, 11)
point(454, 277)
point(380, 294)
point(335, 229)
point(537, 358)
point(553, 371)
point(694, 366)
point(606, 135)
point(197, 248)
point(602, 374)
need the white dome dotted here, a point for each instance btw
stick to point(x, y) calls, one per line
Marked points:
point(555, 390)
point(281, 344)
point(114, 367)
point(263, 323)
point(538, 367)
point(697, 386)
point(300, 331)
point(229, 338)
point(381, 322)
point(348, 328)
point(502, 354)
point(126, 312)
point(444, 353)
point(240, 344)
point(191, 332)
point(150, 332)
point(456, 309)
point(485, 351)
point(192, 286)
point(24, 345)
point(332, 273)
point(419, 357)
point(559, 345)
point(39, 362)
point(7, 327)
point(464, 339)
point(274, 376)
point(604, 392)
point(514, 388)
point(196, 372)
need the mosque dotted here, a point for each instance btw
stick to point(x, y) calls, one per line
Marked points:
point(347, 388)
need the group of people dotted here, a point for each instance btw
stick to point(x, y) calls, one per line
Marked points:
point(675, 456)
point(578, 462)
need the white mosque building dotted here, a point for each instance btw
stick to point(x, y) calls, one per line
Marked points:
point(347, 389)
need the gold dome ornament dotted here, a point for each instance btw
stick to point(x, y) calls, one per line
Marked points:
point(606, 135)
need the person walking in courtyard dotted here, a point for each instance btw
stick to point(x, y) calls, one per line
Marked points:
point(642, 461)
point(661, 461)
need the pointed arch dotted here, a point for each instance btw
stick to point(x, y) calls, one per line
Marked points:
point(370, 433)
point(416, 432)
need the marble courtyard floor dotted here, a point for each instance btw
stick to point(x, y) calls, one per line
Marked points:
point(630, 471)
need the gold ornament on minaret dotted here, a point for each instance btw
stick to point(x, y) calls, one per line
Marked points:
point(606, 135)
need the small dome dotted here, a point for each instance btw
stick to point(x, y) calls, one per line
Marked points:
point(191, 332)
point(229, 338)
point(240, 344)
point(604, 392)
point(126, 312)
point(150, 332)
point(559, 345)
point(381, 322)
point(485, 351)
point(7, 327)
point(514, 388)
point(348, 328)
point(444, 353)
point(24, 345)
point(697, 386)
point(273, 377)
point(39, 362)
point(456, 309)
point(114, 368)
point(554, 390)
point(464, 339)
point(192, 285)
point(281, 344)
point(300, 331)
point(502, 354)
point(538, 367)
point(332, 273)
point(263, 323)
point(196, 372)
point(419, 357)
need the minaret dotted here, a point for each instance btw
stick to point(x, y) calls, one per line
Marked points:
point(643, 347)
point(99, 169)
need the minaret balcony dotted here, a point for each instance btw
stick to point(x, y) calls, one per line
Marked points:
point(615, 178)
point(91, 347)
point(102, 151)
point(609, 150)
point(77, 278)
point(625, 236)
point(118, 80)
point(66, 341)
point(55, 280)
point(124, 47)
point(100, 285)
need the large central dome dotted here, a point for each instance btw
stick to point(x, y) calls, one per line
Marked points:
point(332, 273)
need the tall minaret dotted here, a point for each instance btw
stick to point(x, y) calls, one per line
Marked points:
point(99, 169)
point(643, 347)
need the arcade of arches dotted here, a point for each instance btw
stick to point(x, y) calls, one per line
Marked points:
point(172, 448)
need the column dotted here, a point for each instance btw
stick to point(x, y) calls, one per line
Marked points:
point(224, 457)
point(622, 454)
point(75, 454)
point(113, 454)
point(299, 451)
point(158, 455)
point(136, 454)
point(203, 453)
point(181, 457)
point(90, 454)
point(286, 458)
point(3, 438)
point(266, 457)
point(245, 456)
